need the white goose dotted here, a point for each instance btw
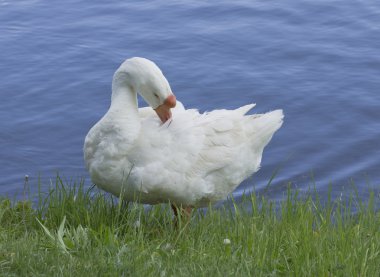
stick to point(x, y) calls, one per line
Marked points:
point(189, 159)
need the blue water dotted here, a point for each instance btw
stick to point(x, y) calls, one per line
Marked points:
point(317, 60)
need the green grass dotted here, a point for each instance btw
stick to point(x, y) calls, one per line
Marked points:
point(73, 231)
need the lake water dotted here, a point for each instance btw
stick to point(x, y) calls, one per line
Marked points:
point(317, 60)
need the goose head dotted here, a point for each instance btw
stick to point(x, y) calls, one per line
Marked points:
point(144, 77)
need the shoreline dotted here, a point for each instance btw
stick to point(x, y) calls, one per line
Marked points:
point(83, 232)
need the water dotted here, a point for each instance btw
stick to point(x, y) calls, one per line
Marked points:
point(317, 60)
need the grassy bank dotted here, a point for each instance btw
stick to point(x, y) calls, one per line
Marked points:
point(76, 232)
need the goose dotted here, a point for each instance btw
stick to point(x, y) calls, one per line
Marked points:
point(166, 153)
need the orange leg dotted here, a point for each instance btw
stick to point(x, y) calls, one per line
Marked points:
point(181, 211)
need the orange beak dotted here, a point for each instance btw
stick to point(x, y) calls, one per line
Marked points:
point(163, 111)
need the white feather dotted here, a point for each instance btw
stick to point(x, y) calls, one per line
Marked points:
point(192, 159)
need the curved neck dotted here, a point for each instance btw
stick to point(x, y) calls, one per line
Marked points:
point(124, 99)
point(124, 110)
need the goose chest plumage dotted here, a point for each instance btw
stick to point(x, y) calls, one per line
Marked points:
point(166, 153)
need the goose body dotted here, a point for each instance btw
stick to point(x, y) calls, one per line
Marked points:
point(178, 154)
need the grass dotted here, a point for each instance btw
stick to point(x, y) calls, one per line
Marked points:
point(73, 231)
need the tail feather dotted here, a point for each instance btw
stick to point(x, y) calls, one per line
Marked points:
point(263, 126)
point(246, 108)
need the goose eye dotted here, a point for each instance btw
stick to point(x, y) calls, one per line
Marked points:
point(156, 96)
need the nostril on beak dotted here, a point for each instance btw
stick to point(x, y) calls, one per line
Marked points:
point(170, 101)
